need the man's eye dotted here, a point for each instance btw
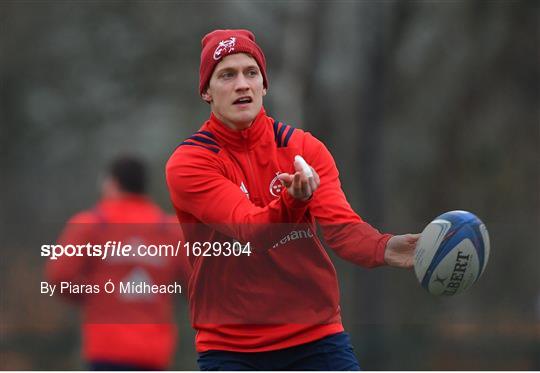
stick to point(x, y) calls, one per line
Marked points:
point(253, 73)
point(227, 75)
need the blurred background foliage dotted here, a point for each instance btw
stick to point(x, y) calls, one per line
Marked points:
point(427, 106)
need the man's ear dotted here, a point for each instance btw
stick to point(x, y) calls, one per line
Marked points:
point(264, 91)
point(206, 96)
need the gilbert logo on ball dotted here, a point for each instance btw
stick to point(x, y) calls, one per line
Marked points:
point(452, 253)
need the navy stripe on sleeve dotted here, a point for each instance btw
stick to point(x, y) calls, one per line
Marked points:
point(204, 140)
point(200, 145)
point(288, 136)
point(275, 130)
point(280, 133)
point(209, 134)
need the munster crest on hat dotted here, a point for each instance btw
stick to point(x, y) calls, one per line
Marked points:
point(224, 46)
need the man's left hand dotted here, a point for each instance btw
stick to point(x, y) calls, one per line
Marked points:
point(400, 250)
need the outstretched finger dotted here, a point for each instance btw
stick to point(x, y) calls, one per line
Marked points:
point(286, 179)
point(297, 185)
point(306, 188)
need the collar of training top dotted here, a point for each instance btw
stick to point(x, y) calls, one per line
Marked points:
point(241, 140)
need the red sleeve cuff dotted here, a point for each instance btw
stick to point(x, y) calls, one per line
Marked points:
point(292, 202)
point(380, 250)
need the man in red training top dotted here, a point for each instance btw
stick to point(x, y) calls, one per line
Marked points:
point(123, 330)
point(275, 305)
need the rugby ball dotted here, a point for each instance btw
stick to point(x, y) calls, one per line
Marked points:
point(452, 253)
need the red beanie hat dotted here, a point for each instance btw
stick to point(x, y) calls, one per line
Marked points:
point(221, 43)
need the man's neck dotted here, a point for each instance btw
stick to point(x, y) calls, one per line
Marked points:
point(234, 126)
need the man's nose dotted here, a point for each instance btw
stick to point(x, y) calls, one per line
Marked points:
point(241, 83)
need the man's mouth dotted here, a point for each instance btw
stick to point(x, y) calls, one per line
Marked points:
point(242, 100)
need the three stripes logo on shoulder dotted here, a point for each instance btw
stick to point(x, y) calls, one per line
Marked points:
point(203, 139)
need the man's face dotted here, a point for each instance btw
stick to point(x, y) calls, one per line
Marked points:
point(236, 91)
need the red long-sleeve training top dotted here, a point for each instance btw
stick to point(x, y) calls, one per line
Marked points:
point(223, 186)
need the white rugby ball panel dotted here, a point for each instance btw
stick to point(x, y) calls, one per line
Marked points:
point(431, 236)
point(487, 247)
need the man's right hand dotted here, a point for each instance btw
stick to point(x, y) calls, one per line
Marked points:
point(299, 185)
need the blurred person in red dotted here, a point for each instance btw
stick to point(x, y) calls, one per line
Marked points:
point(239, 178)
point(123, 330)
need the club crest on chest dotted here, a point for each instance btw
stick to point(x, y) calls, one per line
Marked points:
point(275, 186)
